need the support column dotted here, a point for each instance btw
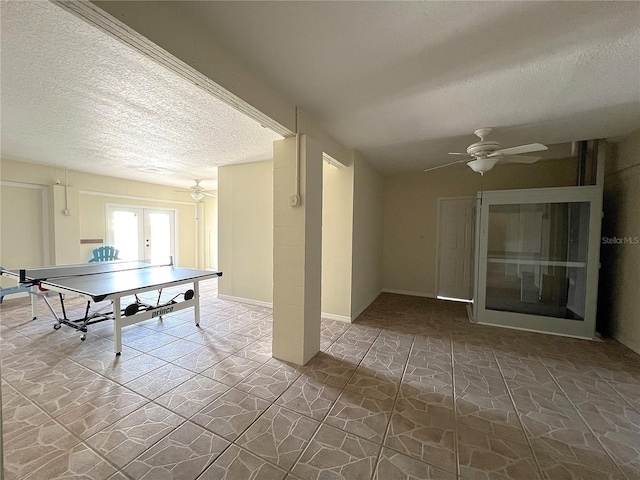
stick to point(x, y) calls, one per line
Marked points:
point(297, 251)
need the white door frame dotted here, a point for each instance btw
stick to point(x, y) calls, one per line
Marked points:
point(143, 209)
point(438, 246)
point(536, 323)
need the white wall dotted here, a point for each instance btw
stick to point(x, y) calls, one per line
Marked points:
point(367, 236)
point(337, 233)
point(410, 213)
point(245, 231)
point(619, 302)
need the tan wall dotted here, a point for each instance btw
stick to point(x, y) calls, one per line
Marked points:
point(619, 302)
point(23, 234)
point(211, 233)
point(337, 231)
point(245, 231)
point(88, 195)
point(410, 213)
point(367, 236)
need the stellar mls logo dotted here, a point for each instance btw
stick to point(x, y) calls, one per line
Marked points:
point(161, 311)
point(620, 240)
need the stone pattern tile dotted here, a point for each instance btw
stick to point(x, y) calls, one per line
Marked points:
point(411, 390)
point(237, 463)
point(123, 441)
point(230, 414)
point(184, 453)
point(279, 436)
point(333, 453)
point(401, 467)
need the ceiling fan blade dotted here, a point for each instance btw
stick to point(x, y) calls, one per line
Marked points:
point(458, 153)
point(519, 159)
point(446, 165)
point(531, 147)
point(208, 194)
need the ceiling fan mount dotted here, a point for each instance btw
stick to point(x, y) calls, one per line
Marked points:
point(483, 147)
point(485, 154)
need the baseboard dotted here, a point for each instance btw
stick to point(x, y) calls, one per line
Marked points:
point(633, 346)
point(250, 301)
point(340, 318)
point(357, 312)
point(409, 292)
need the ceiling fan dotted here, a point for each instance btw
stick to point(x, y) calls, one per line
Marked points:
point(485, 153)
point(197, 191)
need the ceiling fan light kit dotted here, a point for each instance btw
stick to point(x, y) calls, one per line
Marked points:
point(197, 191)
point(482, 165)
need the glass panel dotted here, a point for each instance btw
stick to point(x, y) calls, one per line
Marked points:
point(537, 259)
point(160, 234)
point(125, 234)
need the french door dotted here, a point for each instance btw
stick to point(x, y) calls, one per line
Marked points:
point(142, 233)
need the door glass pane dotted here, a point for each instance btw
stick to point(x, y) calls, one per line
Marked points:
point(160, 235)
point(537, 259)
point(125, 234)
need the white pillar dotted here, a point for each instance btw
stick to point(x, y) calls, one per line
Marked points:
point(297, 251)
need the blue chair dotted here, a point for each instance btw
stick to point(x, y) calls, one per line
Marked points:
point(12, 290)
point(104, 254)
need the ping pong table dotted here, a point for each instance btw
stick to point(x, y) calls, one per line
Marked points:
point(112, 282)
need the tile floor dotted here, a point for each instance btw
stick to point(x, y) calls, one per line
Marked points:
point(411, 390)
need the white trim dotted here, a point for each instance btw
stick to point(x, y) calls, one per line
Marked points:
point(332, 316)
point(332, 161)
point(470, 312)
point(409, 292)
point(451, 299)
point(114, 27)
point(627, 343)
point(133, 197)
point(250, 301)
point(556, 334)
point(260, 303)
point(8, 183)
point(359, 311)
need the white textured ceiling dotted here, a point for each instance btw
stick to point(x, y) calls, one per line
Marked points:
point(407, 82)
point(73, 96)
point(402, 82)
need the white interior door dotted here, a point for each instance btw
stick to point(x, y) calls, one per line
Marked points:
point(141, 233)
point(455, 234)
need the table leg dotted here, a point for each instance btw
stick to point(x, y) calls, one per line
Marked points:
point(117, 333)
point(196, 308)
point(34, 303)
